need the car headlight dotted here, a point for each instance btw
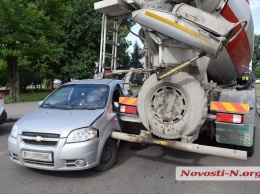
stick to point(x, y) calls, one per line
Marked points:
point(83, 134)
point(14, 132)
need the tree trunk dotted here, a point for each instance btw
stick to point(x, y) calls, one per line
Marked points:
point(51, 84)
point(13, 78)
point(41, 84)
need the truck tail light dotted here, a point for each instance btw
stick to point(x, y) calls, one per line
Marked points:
point(229, 118)
point(1, 96)
point(128, 109)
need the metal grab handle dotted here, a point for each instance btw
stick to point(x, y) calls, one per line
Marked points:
point(240, 30)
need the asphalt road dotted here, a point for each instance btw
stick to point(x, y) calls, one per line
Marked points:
point(139, 170)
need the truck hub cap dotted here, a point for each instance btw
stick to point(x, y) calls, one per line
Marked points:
point(168, 105)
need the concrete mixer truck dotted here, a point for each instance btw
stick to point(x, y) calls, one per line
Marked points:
point(198, 77)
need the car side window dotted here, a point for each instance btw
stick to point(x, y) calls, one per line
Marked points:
point(125, 90)
point(116, 93)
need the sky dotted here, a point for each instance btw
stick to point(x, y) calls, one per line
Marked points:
point(255, 9)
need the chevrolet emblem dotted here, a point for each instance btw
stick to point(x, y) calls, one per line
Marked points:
point(38, 138)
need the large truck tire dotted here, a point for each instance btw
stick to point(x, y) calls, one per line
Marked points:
point(173, 107)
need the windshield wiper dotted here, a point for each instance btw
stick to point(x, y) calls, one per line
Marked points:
point(64, 106)
point(49, 105)
point(81, 107)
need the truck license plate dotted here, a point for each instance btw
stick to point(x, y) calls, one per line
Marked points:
point(40, 156)
point(235, 134)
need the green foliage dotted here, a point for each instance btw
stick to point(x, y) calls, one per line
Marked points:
point(257, 47)
point(123, 61)
point(3, 73)
point(81, 41)
point(256, 56)
point(54, 39)
point(123, 55)
point(25, 30)
point(135, 57)
point(59, 12)
point(29, 35)
point(46, 83)
point(25, 69)
point(256, 71)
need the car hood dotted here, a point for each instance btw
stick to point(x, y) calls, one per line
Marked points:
point(57, 121)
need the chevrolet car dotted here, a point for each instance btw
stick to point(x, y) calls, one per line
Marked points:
point(70, 130)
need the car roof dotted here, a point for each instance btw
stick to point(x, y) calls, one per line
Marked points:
point(94, 81)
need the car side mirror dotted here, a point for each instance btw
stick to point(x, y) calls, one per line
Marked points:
point(116, 106)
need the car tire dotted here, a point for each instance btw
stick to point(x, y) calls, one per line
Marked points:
point(250, 150)
point(109, 156)
point(3, 117)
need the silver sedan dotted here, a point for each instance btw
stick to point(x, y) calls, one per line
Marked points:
point(70, 130)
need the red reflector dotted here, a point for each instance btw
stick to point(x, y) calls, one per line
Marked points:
point(1, 96)
point(128, 109)
point(230, 118)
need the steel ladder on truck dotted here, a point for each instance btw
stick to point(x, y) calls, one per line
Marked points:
point(113, 11)
point(103, 67)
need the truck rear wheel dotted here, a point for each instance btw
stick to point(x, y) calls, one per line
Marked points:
point(173, 107)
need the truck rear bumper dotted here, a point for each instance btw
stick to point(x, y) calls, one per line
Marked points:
point(190, 147)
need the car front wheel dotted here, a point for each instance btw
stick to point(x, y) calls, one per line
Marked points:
point(108, 156)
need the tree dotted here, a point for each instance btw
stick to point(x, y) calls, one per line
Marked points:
point(135, 57)
point(25, 32)
point(80, 41)
point(59, 12)
point(123, 61)
point(51, 39)
point(256, 56)
point(3, 73)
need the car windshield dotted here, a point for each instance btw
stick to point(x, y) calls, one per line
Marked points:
point(78, 96)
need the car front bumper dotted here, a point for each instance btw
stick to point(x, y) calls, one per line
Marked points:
point(64, 156)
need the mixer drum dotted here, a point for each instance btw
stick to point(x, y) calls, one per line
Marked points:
point(238, 53)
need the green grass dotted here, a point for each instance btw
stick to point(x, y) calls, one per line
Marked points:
point(136, 87)
point(29, 96)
